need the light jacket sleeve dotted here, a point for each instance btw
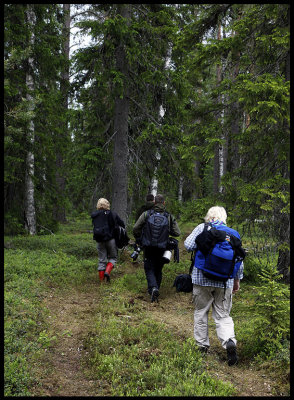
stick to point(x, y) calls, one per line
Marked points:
point(189, 243)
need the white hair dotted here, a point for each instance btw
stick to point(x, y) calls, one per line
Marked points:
point(216, 213)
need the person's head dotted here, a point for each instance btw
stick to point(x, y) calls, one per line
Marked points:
point(159, 199)
point(216, 213)
point(150, 197)
point(103, 204)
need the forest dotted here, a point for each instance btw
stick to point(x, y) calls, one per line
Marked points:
point(190, 100)
point(120, 100)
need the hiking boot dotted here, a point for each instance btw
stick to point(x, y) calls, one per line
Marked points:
point(231, 353)
point(203, 349)
point(154, 295)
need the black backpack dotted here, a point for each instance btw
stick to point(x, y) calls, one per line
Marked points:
point(120, 236)
point(155, 232)
point(183, 283)
point(103, 225)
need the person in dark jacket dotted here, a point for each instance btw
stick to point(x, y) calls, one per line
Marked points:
point(104, 221)
point(147, 206)
point(153, 260)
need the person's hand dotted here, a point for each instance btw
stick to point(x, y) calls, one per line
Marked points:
point(236, 286)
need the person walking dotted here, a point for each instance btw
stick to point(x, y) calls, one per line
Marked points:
point(215, 294)
point(104, 220)
point(151, 231)
point(147, 206)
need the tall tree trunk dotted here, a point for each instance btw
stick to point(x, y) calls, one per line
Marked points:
point(161, 113)
point(216, 165)
point(64, 85)
point(235, 112)
point(121, 113)
point(154, 181)
point(30, 212)
point(283, 264)
point(180, 189)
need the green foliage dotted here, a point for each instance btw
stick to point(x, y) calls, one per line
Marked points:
point(196, 210)
point(266, 336)
point(32, 266)
point(274, 307)
point(252, 269)
point(131, 353)
point(144, 358)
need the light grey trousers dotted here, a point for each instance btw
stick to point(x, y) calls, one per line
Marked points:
point(107, 252)
point(205, 297)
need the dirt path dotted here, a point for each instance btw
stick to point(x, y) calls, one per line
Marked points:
point(248, 382)
point(71, 318)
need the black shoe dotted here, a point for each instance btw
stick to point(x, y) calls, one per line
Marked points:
point(154, 295)
point(232, 353)
point(203, 349)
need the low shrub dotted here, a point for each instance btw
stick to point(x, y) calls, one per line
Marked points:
point(141, 358)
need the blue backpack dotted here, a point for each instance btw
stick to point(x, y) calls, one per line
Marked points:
point(219, 252)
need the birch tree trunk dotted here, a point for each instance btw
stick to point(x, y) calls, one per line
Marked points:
point(121, 113)
point(64, 85)
point(154, 181)
point(235, 111)
point(30, 212)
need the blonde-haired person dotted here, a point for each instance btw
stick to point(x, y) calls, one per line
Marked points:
point(104, 221)
point(209, 293)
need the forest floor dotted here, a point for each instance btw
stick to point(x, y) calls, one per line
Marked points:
point(71, 313)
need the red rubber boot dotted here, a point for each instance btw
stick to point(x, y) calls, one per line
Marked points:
point(101, 275)
point(109, 268)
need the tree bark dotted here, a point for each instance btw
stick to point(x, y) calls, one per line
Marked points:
point(64, 85)
point(30, 212)
point(283, 264)
point(121, 113)
point(216, 168)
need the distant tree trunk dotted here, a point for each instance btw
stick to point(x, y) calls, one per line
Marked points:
point(64, 85)
point(224, 147)
point(180, 189)
point(283, 264)
point(216, 166)
point(30, 212)
point(121, 113)
point(154, 181)
point(161, 113)
point(235, 112)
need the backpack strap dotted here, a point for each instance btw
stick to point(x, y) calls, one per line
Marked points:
point(193, 254)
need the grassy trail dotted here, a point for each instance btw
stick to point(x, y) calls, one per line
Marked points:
point(72, 315)
point(58, 307)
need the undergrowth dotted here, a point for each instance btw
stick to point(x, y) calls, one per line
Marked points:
point(136, 356)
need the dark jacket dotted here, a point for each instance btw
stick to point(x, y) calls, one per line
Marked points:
point(174, 229)
point(147, 206)
point(112, 221)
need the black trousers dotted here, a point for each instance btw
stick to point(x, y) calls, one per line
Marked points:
point(153, 264)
